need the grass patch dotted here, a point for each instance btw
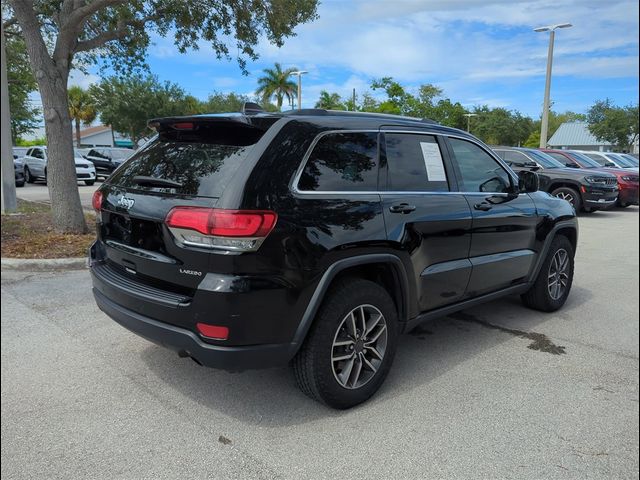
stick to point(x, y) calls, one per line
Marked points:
point(29, 234)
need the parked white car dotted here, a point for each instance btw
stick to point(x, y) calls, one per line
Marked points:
point(609, 159)
point(35, 166)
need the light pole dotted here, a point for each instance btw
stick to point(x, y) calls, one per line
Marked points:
point(547, 88)
point(469, 115)
point(299, 74)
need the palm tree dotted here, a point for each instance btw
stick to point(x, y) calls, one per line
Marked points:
point(330, 101)
point(81, 109)
point(276, 82)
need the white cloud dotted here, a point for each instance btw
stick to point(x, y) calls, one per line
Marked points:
point(84, 80)
point(421, 41)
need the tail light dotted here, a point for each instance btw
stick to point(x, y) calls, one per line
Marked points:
point(216, 332)
point(96, 201)
point(234, 230)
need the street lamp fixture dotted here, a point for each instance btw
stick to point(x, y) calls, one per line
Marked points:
point(299, 74)
point(547, 88)
point(469, 115)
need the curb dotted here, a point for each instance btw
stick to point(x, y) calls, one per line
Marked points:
point(43, 264)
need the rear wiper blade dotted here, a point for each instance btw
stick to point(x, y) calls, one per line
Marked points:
point(155, 182)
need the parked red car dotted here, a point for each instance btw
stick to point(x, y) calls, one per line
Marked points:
point(627, 181)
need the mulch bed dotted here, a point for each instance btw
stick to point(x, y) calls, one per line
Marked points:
point(29, 234)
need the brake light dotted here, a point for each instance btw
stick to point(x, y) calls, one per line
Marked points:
point(239, 230)
point(213, 331)
point(96, 200)
point(183, 126)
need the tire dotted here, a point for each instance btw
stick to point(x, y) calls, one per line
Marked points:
point(570, 195)
point(20, 184)
point(544, 295)
point(27, 176)
point(323, 379)
point(621, 204)
point(89, 182)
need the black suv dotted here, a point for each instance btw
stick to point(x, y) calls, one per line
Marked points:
point(251, 240)
point(107, 159)
point(586, 191)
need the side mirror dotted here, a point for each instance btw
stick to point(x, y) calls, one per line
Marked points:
point(571, 165)
point(528, 181)
point(609, 164)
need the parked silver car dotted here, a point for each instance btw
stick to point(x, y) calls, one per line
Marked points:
point(35, 166)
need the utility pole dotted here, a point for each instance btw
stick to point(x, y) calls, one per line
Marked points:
point(469, 115)
point(354, 99)
point(299, 74)
point(544, 129)
point(9, 202)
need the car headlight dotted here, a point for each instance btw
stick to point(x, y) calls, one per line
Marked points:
point(630, 178)
point(594, 180)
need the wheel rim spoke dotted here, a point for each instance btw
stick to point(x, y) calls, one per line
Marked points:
point(383, 329)
point(357, 370)
point(374, 352)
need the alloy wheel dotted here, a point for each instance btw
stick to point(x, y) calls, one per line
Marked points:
point(558, 274)
point(359, 346)
point(567, 196)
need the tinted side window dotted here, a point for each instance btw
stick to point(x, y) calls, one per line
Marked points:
point(415, 163)
point(479, 171)
point(29, 152)
point(342, 162)
point(515, 158)
point(37, 153)
point(561, 158)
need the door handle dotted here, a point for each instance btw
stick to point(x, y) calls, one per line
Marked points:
point(402, 208)
point(484, 206)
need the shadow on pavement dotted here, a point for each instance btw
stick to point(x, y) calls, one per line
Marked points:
point(270, 398)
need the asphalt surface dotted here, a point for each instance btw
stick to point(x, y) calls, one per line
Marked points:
point(476, 395)
point(38, 192)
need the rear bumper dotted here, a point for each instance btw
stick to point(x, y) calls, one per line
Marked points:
point(187, 344)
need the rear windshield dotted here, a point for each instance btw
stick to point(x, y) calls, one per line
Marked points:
point(200, 169)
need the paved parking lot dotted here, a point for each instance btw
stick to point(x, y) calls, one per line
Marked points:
point(38, 192)
point(497, 391)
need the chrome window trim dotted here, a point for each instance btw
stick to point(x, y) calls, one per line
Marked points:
point(296, 178)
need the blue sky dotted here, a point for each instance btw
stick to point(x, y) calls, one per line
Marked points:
point(477, 51)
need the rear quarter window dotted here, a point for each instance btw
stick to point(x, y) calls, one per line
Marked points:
point(342, 162)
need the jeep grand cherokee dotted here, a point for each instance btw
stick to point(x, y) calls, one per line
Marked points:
point(316, 237)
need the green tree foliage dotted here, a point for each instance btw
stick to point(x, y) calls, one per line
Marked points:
point(127, 104)
point(499, 126)
point(613, 124)
point(64, 34)
point(225, 102)
point(330, 101)
point(24, 116)
point(277, 83)
point(82, 109)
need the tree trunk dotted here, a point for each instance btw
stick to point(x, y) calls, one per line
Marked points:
point(52, 77)
point(78, 143)
point(66, 208)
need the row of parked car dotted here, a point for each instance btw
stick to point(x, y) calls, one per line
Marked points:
point(588, 180)
point(30, 163)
